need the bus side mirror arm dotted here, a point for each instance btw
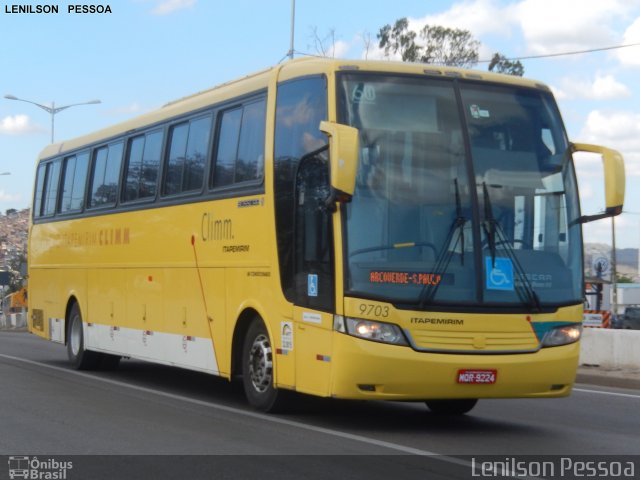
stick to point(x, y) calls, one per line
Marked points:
point(343, 161)
point(614, 180)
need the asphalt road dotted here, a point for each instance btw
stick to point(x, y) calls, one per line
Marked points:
point(49, 409)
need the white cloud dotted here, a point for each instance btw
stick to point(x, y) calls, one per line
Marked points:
point(603, 87)
point(587, 192)
point(551, 26)
point(166, 7)
point(619, 130)
point(547, 26)
point(478, 16)
point(614, 126)
point(8, 197)
point(377, 53)
point(18, 125)
point(559, 93)
point(337, 49)
point(597, 232)
point(600, 232)
point(340, 49)
point(630, 56)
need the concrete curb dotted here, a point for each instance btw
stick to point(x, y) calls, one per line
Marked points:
point(594, 375)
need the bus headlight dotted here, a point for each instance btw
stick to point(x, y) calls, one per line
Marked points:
point(370, 330)
point(562, 335)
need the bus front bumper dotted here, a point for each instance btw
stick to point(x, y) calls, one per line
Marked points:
point(369, 370)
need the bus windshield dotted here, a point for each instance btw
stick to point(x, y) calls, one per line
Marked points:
point(465, 194)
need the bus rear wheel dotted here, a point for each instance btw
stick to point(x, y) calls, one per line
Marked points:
point(80, 358)
point(452, 407)
point(258, 369)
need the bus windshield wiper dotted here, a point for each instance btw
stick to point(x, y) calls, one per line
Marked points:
point(490, 224)
point(456, 231)
point(493, 230)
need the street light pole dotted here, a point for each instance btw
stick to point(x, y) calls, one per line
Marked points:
point(52, 110)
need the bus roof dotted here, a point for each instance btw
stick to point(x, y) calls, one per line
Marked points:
point(260, 80)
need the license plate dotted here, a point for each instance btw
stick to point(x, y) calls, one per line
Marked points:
point(475, 377)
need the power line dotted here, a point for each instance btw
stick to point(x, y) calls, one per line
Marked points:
point(529, 57)
point(577, 52)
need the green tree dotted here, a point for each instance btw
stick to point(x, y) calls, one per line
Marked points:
point(16, 266)
point(501, 64)
point(620, 278)
point(433, 44)
point(439, 45)
point(449, 46)
point(399, 39)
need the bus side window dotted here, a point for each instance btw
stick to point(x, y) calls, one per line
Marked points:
point(50, 193)
point(188, 150)
point(227, 147)
point(143, 163)
point(313, 233)
point(301, 106)
point(39, 191)
point(240, 154)
point(74, 182)
point(105, 174)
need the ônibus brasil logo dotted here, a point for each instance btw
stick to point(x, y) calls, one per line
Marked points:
point(38, 469)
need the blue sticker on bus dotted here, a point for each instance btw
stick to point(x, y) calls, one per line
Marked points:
point(312, 285)
point(499, 274)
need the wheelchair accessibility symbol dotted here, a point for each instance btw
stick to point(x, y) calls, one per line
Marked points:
point(312, 285)
point(499, 275)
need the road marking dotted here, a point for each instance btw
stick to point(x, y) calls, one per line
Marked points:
point(615, 394)
point(269, 418)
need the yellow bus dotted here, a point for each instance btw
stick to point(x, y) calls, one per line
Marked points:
point(349, 229)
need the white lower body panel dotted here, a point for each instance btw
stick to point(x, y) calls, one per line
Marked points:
point(185, 351)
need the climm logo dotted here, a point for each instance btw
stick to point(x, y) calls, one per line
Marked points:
point(103, 238)
point(113, 236)
point(214, 229)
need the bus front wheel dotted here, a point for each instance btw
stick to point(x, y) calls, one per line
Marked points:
point(452, 407)
point(258, 369)
point(80, 358)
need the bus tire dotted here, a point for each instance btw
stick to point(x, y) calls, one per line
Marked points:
point(258, 368)
point(80, 358)
point(458, 406)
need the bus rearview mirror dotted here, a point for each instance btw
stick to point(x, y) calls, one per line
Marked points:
point(343, 159)
point(614, 179)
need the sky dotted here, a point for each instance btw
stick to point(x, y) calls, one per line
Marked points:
point(148, 52)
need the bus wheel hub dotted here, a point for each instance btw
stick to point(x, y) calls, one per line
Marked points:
point(260, 363)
